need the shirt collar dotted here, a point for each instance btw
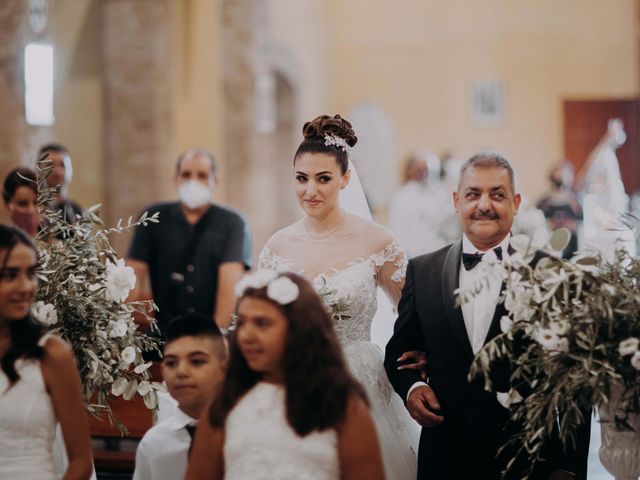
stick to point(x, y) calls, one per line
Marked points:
point(468, 247)
point(179, 420)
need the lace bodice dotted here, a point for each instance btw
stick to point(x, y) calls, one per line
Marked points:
point(260, 444)
point(345, 270)
point(28, 425)
point(355, 284)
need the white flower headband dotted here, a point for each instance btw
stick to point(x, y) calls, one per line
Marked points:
point(337, 142)
point(279, 289)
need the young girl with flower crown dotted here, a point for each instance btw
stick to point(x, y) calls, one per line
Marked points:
point(288, 407)
point(39, 382)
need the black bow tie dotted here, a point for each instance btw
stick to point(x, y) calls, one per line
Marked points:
point(470, 260)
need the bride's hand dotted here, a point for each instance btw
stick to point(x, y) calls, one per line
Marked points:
point(416, 360)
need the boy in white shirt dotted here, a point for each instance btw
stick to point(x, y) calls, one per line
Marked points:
point(193, 365)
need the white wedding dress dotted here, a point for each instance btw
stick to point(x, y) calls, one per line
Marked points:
point(349, 265)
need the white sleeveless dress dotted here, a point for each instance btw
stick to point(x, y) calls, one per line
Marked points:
point(260, 444)
point(27, 425)
point(355, 278)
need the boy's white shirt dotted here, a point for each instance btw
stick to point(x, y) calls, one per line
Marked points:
point(163, 451)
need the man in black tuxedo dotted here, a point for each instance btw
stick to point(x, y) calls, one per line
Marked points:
point(463, 425)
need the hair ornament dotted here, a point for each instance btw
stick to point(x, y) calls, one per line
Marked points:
point(337, 142)
point(279, 289)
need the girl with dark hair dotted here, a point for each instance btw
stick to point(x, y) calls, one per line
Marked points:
point(347, 257)
point(20, 193)
point(288, 407)
point(39, 383)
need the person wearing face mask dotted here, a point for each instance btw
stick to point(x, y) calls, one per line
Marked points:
point(191, 260)
point(20, 194)
point(561, 207)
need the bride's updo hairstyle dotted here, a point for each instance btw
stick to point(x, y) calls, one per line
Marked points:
point(323, 134)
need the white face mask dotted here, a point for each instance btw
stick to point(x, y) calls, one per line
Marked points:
point(194, 194)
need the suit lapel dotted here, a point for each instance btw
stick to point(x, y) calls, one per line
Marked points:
point(450, 282)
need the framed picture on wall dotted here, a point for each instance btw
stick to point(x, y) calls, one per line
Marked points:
point(487, 103)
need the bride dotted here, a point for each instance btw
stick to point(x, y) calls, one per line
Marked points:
point(346, 257)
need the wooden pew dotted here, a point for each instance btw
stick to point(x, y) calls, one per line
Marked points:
point(114, 453)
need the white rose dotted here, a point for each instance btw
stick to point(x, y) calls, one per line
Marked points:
point(628, 346)
point(121, 279)
point(45, 313)
point(118, 329)
point(505, 324)
point(547, 338)
point(635, 360)
point(283, 290)
point(509, 398)
point(144, 388)
point(128, 355)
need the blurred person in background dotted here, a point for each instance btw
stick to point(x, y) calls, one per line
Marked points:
point(190, 261)
point(59, 179)
point(419, 208)
point(561, 207)
point(20, 193)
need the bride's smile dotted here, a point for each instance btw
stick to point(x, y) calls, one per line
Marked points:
point(318, 180)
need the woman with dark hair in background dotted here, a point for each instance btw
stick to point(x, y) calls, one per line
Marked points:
point(39, 382)
point(20, 194)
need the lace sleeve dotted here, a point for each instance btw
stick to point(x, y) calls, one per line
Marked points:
point(273, 261)
point(391, 265)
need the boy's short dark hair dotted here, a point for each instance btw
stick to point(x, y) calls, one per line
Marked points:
point(196, 325)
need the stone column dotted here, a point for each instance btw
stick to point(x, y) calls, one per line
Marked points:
point(13, 130)
point(138, 114)
point(238, 40)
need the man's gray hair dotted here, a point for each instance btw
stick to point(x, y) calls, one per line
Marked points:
point(489, 160)
point(201, 152)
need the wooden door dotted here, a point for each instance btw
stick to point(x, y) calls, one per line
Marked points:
point(585, 122)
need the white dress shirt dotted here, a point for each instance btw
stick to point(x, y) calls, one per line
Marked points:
point(164, 450)
point(478, 312)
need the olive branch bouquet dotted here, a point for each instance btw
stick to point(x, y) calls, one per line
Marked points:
point(81, 297)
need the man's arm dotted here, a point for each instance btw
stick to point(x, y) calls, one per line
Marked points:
point(228, 275)
point(236, 259)
point(407, 336)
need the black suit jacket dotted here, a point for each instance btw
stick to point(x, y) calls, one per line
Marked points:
point(465, 445)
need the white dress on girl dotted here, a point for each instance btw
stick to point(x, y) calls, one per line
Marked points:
point(260, 444)
point(27, 425)
point(348, 266)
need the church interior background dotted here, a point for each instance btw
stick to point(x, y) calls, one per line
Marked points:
point(136, 82)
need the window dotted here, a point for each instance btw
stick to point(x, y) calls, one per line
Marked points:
point(38, 82)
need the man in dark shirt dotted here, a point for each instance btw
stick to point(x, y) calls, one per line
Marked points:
point(59, 179)
point(196, 253)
